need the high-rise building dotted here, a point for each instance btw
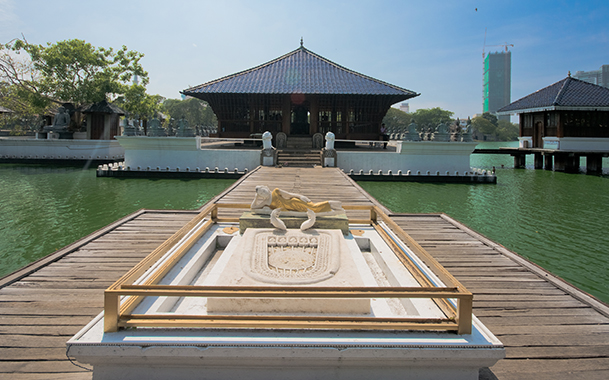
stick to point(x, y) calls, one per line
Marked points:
point(496, 82)
point(598, 77)
point(404, 107)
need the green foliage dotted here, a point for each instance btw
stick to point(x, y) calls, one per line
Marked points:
point(432, 117)
point(503, 131)
point(69, 71)
point(195, 111)
point(396, 119)
point(492, 118)
point(483, 125)
point(507, 131)
point(136, 101)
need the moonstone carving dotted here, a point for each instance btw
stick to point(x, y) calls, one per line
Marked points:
point(291, 258)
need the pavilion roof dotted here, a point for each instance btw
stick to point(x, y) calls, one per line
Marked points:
point(567, 94)
point(103, 107)
point(300, 71)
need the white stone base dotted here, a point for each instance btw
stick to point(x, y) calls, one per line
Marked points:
point(247, 354)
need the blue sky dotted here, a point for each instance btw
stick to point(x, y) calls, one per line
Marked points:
point(431, 47)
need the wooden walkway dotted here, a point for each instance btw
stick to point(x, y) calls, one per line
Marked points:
point(550, 329)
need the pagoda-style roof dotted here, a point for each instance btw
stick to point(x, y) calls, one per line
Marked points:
point(103, 107)
point(569, 94)
point(300, 71)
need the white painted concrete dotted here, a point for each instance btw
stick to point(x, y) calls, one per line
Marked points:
point(577, 143)
point(183, 152)
point(60, 149)
point(422, 156)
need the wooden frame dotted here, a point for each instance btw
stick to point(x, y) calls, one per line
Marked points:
point(118, 314)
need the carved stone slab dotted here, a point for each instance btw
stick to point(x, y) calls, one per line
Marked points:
point(270, 257)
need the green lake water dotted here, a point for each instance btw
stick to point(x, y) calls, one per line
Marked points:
point(557, 220)
point(44, 208)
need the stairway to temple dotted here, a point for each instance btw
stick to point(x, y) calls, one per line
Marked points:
point(299, 153)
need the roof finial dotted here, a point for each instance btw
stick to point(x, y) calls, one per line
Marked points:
point(301, 41)
point(569, 74)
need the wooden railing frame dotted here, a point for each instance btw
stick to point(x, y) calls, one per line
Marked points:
point(118, 313)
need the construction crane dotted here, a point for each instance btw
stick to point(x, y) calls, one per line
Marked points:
point(506, 45)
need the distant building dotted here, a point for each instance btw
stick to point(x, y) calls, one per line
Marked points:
point(404, 107)
point(496, 82)
point(598, 77)
point(568, 115)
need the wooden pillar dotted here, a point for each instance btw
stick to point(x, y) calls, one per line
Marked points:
point(538, 160)
point(314, 112)
point(567, 162)
point(548, 162)
point(560, 162)
point(286, 114)
point(594, 164)
point(519, 161)
point(572, 163)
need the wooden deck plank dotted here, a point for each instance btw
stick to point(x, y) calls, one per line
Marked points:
point(547, 332)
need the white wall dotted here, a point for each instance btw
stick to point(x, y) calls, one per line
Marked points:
point(416, 156)
point(60, 149)
point(577, 143)
point(183, 152)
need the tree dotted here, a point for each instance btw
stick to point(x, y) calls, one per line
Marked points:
point(137, 102)
point(396, 119)
point(483, 125)
point(491, 118)
point(195, 111)
point(432, 117)
point(507, 131)
point(71, 71)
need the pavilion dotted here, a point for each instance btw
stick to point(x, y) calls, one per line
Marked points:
point(569, 114)
point(561, 123)
point(300, 93)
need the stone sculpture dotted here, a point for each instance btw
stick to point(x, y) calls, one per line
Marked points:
point(277, 201)
point(267, 137)
point(61, 121)
point(330, 141)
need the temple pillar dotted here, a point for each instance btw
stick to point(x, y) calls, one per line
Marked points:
point(548, 162)
point(594, 164)
point(314, 112)
point(286, 114)
point(519, 161)
point(538, 160)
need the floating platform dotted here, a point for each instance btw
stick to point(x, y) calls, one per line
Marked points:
point(298, 304)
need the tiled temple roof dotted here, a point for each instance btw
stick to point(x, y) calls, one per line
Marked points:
point(567, 94)
point(300, 71)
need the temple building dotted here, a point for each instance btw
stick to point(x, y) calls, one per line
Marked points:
point(300, 93)
point(569, 114)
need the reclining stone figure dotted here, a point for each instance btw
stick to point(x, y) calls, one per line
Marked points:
point(277, 201)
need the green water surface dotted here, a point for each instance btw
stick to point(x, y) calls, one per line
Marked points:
point(44, 209)
point(557, 220)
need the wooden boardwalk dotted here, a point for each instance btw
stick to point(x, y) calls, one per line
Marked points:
point(550, 329)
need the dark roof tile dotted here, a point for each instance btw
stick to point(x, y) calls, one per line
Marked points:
point(569, 93)
point(300, 71)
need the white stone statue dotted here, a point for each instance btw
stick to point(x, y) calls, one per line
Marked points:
point(267, 140)
point(276, 201)
point(330, 141)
